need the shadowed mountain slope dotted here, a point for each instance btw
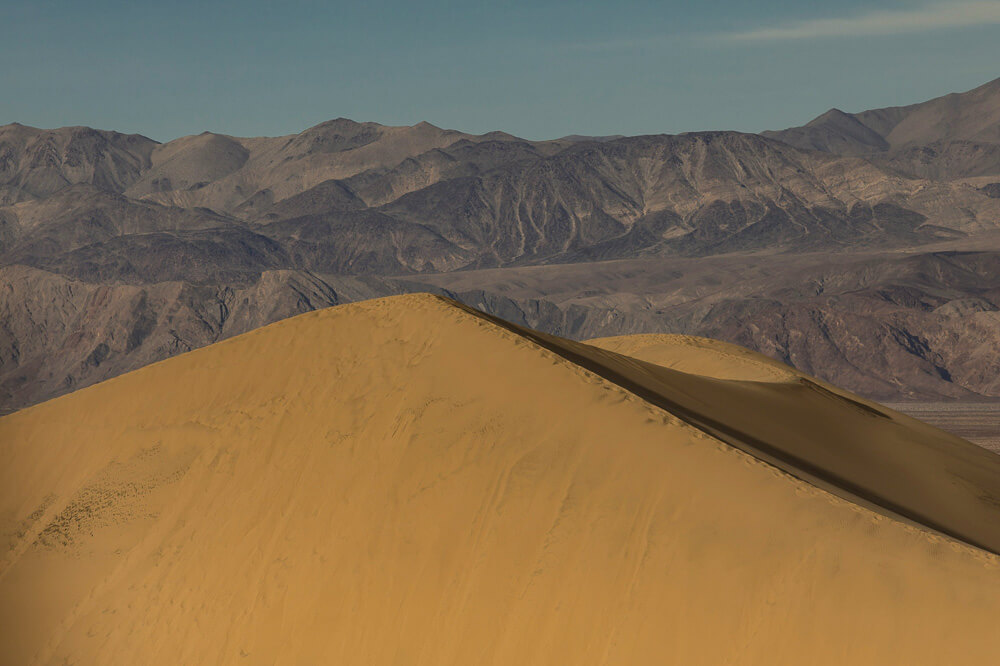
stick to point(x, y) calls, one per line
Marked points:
point(703, 193)
point(354, 198)
point(35, 163)
point(407, 477)
point(918, 326)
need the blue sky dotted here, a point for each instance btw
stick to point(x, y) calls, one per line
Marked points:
point(538, 69)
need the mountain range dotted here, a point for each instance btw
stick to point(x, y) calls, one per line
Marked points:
point(862, 248)
point(955, 136)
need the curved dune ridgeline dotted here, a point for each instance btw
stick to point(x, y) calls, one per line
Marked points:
point(406, 480)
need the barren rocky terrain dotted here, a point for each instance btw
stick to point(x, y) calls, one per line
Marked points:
point(957, 134)
point(862, 248)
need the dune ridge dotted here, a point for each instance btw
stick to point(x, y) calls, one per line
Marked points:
point(884, 477)
point(699, 356)
point(406, 480)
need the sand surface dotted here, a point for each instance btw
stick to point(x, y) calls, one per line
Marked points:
point(402, 481)
point(699, 356)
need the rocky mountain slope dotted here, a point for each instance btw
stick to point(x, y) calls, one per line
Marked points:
point(36, 163)
point(215, 235)
point(917, 326)
point(953, 136)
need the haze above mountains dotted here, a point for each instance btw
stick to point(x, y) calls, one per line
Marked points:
point(862, 248)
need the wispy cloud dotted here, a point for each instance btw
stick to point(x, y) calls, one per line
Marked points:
point(924, 18)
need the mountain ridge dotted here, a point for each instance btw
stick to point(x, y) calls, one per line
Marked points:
point(971, 118)
point(382, 210)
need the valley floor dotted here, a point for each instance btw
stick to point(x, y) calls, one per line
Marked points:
point(978, 422)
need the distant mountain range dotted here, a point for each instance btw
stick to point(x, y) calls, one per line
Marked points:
point(861, 247)
point(949, 137)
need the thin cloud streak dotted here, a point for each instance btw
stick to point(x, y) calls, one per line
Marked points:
point(890, 22)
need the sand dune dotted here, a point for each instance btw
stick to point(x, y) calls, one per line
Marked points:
point(851, 446)
point(699, 356)
point(407, 481)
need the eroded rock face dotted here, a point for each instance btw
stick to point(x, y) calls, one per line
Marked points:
point(920, 326)
point(37, 163)
point(412, 200)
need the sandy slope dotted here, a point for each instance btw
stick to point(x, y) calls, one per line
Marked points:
point(699, 356)
point(403, 481)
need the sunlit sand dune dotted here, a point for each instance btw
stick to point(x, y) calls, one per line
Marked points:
point(405, 481)
point(699, 356)
point(819, 432)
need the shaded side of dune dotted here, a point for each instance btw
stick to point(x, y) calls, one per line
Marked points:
point(841, 442)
